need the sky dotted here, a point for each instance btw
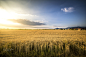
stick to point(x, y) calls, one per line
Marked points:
point(42, 14)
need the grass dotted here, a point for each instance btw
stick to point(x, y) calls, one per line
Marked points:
point(42, 43)
point(41, 49)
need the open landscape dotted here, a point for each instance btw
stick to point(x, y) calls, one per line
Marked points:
point(42, 43)
point(42, 28)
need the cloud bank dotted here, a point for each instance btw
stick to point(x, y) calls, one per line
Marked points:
point(26, 22)
point(70, 9)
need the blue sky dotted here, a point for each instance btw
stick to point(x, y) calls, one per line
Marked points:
point(42, 14)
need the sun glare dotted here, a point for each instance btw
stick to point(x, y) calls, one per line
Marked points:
point(8, 22)
point(4, 15)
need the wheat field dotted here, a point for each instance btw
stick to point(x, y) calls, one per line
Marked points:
point(42, 43)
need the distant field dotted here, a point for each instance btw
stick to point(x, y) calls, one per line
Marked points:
point(40, 43)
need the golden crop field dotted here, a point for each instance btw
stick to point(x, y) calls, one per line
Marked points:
point(42, 43)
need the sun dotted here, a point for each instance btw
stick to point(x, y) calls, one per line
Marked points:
point(5, 15)
point(6, 22)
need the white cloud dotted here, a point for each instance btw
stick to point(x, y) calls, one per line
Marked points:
point(4, 14)
point(70, 9)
